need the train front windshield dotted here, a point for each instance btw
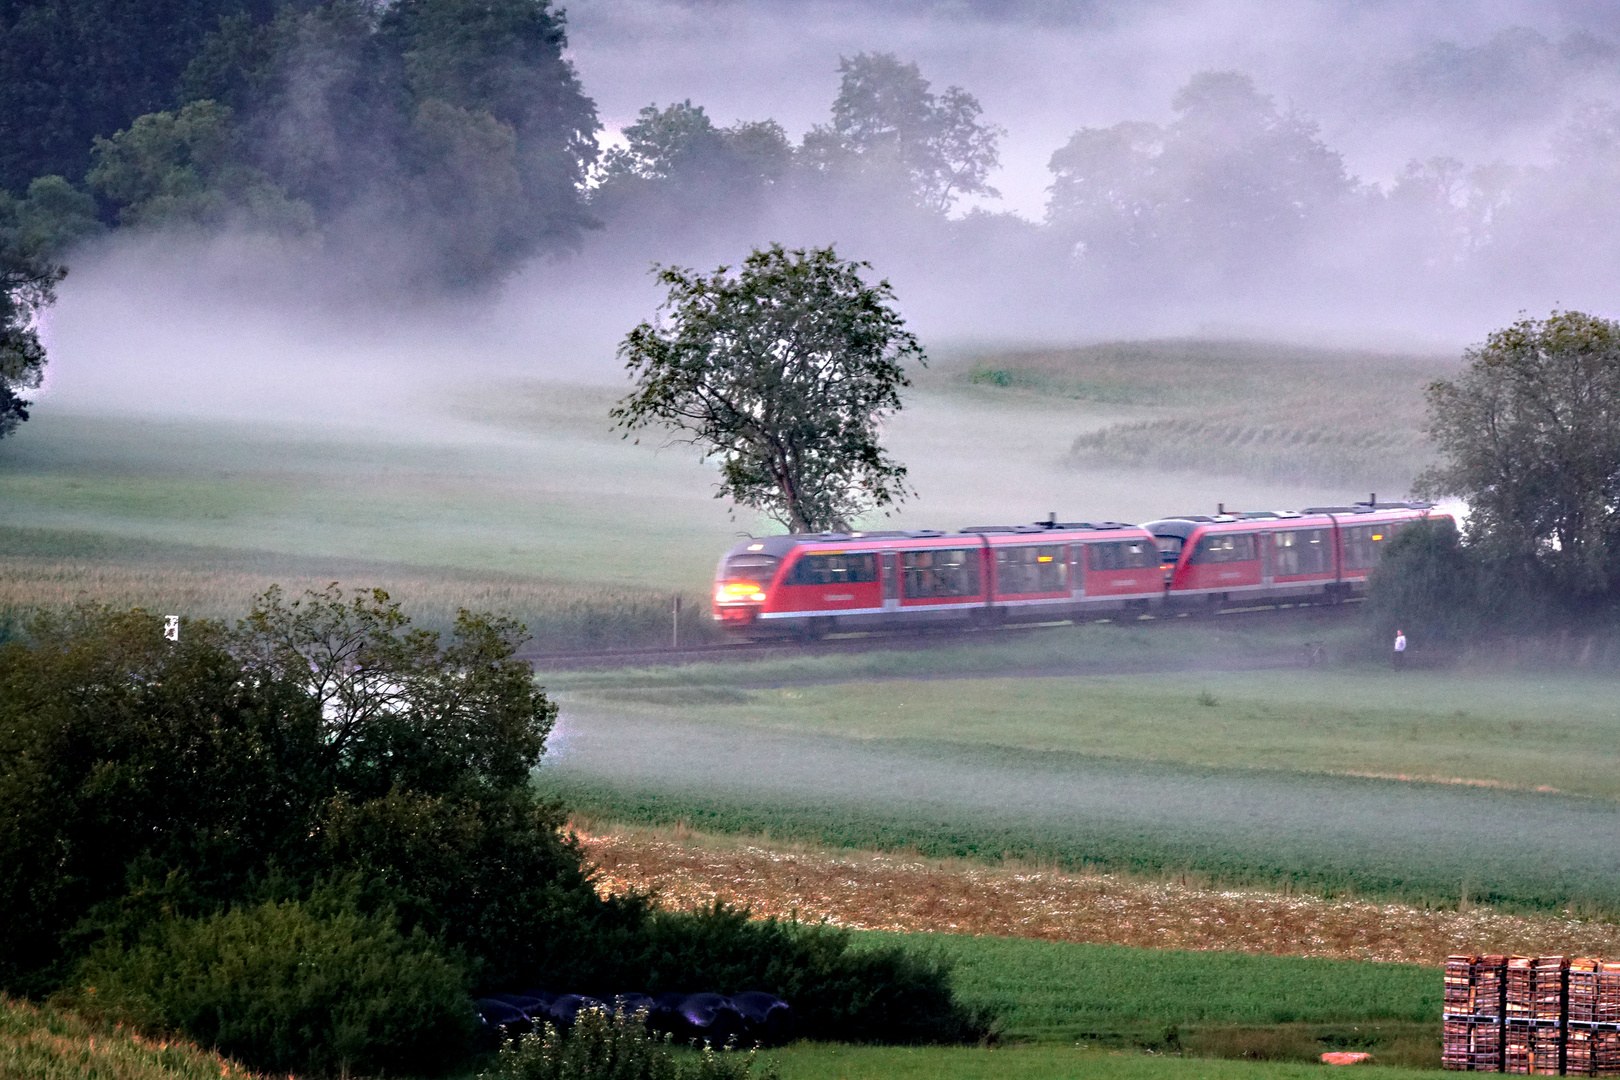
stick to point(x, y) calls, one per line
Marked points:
point(745, 577)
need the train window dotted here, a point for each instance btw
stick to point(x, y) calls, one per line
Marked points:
point(1169, 548)
point(1124, 555)
point(1224, 548)
point(1301, 551)
point(928, 574)
point(1362, 544)
point(859, 569)
point(760, 568)
point(1030, 570)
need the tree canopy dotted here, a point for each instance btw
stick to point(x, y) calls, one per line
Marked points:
point(1529, 436)
point(1231, 184)
point(31, 229)
point(784, 373)
point(887, 123)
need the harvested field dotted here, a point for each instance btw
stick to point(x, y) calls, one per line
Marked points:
point(879, 892)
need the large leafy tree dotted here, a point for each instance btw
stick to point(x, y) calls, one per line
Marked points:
point(30, 229)
point(680, 148)
point(1530, 437)
point(783, 373)
point(1231, 185)
point(887, 123)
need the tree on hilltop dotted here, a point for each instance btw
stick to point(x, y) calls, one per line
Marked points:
point(784, 373)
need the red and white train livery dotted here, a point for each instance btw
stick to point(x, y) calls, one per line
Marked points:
point(816, 583)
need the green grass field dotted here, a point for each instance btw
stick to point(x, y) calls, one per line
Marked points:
point(1505, 730)
point(1047, 991)
point(804, 1061)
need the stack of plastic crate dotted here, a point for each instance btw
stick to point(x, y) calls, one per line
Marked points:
point(1593, 1044)
point(1549, 996)
point(1579, 1059)
point(1472, 1026)
point(1518, 1008)
point(1606, 1040)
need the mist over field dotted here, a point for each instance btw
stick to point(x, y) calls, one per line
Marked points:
point(1463, 153)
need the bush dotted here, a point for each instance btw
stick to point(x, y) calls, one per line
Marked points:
point(875, 995)
point(1427, 584)
point(177, 808)
point(600, 1047)
point(307, 987)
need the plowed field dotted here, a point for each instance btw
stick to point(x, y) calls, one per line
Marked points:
point(881, 892)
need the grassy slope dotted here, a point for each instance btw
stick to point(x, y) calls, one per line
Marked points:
point(47, 1044)
point(1508, 730)
point(1282, 414)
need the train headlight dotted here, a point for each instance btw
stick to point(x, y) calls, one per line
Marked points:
point(733, 592)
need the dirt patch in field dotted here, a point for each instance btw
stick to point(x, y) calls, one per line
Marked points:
point(867, 891)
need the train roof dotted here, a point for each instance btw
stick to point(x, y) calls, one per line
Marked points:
point(781, 544)
point(1225, 517)
point(1175, 524)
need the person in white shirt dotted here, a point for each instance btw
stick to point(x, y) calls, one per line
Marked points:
point(1399, 656)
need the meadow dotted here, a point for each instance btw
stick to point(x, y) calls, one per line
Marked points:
point(1513, 731)
point(1281, 414)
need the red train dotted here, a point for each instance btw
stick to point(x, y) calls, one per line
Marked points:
point(815, 583)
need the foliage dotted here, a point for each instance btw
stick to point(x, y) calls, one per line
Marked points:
point(458, 124)
point(1530, 437)
point(216, 811)
point(888, 124)
point(1427, 584)
point(312, 987)
point(784, 373)
point(837, 992)
point(678, 162)
point(187, 167)
point(73, 70)
point(602, 1047)
point(191, 773)
point(397, 711)
point(1230, 186)
point(31, 231)
point(46, 1043)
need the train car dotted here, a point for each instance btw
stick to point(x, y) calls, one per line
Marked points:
point(816, 583)
point(1277, 556)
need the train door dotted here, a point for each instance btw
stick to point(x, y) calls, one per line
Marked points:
point(891, 581)
point(1077, 576)
point(1268, 558)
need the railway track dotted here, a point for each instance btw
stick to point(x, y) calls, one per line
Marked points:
point(914, 638)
